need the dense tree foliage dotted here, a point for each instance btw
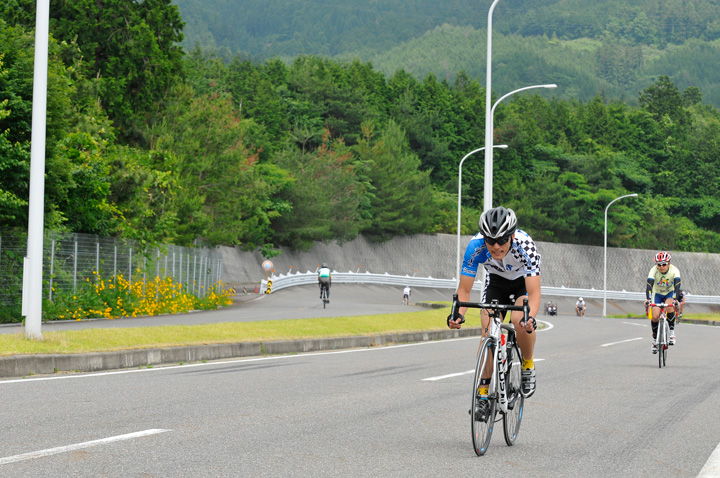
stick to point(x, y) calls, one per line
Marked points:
point(266, 153)
point(129, 46)
point(611, 47)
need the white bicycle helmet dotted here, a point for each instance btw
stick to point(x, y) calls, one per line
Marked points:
point(498, 222)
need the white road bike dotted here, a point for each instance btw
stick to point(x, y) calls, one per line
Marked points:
point(501, 359)
point(662, 342)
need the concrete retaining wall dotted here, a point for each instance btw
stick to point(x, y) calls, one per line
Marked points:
point(435, 256)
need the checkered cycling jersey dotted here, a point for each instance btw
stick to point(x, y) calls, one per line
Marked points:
point(522, 260)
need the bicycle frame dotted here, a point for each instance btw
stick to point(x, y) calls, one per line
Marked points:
point(495, 348)
point(662, 340)
point(496, 342)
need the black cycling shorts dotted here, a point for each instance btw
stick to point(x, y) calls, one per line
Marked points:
point(505, 291)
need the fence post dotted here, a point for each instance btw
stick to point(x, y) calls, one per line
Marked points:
point(52, 268)
point(173, 272)
point(114, 261)
point(75, 267)
point(97, 261)
point(219, 274)
point(130, 270)
point(157, 275)
point(200, 277)
point(194, 270)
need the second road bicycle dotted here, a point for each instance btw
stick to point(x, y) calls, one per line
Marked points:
point(324, 296)
point(662, 342)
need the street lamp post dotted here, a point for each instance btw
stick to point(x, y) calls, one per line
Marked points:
point(487, 200)
point(489, 115)
point(605, 253)
point(33, 263)
point(501, 146)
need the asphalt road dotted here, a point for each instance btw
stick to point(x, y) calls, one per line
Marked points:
point(603, 408)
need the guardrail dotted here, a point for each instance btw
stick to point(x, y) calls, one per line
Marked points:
point(281, 281)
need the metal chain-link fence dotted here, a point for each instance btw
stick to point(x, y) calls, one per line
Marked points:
point(70, 259)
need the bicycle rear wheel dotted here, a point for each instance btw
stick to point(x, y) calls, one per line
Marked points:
point(482, 412)
point(516, 400)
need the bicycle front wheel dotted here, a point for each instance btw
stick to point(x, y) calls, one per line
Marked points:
point(482, 412)
point(665, 342)
point(661, 337)
point(516, 400)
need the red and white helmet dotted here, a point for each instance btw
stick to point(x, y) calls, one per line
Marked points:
point(662, 256)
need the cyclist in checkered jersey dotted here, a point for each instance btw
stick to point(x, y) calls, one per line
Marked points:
point(512, 263)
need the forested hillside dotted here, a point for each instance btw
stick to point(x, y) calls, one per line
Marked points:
point(608, 47)
point(149, 141)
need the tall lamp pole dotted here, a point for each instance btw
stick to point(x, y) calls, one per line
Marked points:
point(487, 199)
point(32, 266)
point(490, 114)
point(605, 253)
point(501, 146)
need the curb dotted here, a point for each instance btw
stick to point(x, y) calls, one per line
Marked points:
point(47, 364)
point(699, 322)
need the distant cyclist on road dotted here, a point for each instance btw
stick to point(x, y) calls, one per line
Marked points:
point(512, 263)
point(406, 295)
point(681, 304)
point(324, 279)
point(580, 307)
point(663, 286)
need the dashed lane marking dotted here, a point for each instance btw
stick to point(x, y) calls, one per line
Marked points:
point(78, 446)
point(621, 342)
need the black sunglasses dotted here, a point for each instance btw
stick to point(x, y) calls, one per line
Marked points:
point(660, 264)
point(499, 240)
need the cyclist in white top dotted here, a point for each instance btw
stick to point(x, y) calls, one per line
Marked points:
point(512, 263)
point(324, 279)
point(406, 295)
point(580, 307)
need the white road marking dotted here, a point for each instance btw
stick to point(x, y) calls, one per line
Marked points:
point(633, 323)
point(621, 342)
point(451, 375)
point(548, 326)
point(78, 446)
point(712, 466)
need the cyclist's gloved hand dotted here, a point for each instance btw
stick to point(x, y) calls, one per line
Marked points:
point(531, 320)
point(647, 304)
point(457, 316)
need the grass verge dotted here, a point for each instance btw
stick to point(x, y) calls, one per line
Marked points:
point(112, 339)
